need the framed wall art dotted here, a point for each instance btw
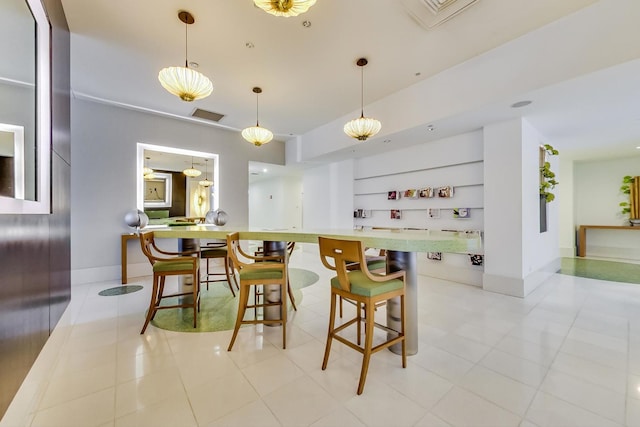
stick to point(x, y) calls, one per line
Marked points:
point(157, 191)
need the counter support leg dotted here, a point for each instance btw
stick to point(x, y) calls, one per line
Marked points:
point(407, 261)
point(187, 245)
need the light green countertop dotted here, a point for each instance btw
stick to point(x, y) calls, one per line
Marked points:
point(398, 240)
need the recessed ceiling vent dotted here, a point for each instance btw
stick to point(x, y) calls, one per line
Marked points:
point(207, 115)
point(431, 13)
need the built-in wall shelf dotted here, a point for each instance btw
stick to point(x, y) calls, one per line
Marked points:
point(384, 193)
point(456, 163)
point(432, 168)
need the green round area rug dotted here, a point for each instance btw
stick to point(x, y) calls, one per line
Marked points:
point(219, 308)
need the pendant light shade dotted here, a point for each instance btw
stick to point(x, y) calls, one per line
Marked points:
point(147, 172)
point(284, 8)
point(362, 127)
point(257, 135)
point(205, 182)
point(192, 172)
point(184, 82)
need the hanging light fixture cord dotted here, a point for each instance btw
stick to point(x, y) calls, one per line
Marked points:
point(257, 110)
point(186, 45)
point(362, 91)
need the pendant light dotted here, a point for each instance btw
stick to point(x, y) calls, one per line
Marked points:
point(192, 172)
point(205, 182)
point(255, 134)
point(284, 8)
point(147, 172)
point(185, 82)
point(363, 127)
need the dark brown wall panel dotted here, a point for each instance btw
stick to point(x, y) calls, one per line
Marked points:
point(35, 249)
point(59, 242)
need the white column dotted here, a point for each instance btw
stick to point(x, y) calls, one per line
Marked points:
point(517, 256)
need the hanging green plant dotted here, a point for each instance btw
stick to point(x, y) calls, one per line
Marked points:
point(625, 188)
point(547, 176)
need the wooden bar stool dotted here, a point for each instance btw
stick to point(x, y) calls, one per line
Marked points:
point(170, 264)
point(264, 270)
point(366, 289)
point(218, 250)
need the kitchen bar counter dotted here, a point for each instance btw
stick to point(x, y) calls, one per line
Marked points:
point(401, 245)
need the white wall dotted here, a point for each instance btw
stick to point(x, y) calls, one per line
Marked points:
point(566, 203)
point(276, 203)
point(103, 178)
point(597, 197)
point(455, 161)
point(517, 256)
point(328, 196)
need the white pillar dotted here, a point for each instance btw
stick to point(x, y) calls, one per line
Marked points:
point(518, 257)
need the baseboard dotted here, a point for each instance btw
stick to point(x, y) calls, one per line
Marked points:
point(108, 273)
point(611, 252)
point(520, 287)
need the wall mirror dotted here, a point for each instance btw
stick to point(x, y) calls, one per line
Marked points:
point(25, 128)
point(164, 191)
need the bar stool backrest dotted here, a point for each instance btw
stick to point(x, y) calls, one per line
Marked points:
point(337, 255)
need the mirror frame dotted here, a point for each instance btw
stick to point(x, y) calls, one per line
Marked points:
point(140, 161)
point(42, 204)
point(18, 154)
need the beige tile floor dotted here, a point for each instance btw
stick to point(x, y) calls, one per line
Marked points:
point(567, 355)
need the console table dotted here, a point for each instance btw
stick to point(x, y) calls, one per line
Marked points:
point(582, 234)
point(123, 253)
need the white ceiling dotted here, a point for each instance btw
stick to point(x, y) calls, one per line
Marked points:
point(309, 76)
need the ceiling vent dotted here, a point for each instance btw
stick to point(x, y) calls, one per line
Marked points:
point(431, 13)
point(207, 115)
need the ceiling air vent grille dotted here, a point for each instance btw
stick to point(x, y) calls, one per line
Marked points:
point(207, 115)
point(431, 13)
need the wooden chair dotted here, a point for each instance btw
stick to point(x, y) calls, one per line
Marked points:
point(218, 250)
point(366, 289)
point(165, 264)
point(375, 264)
point(268, 270)
point(260, 252)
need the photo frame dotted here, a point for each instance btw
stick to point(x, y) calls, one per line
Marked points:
point(461, 212)
point(393, 195)
point(476, 259)
point(157, 191)
point(410, 194)
point(396, 214)
point(446, 191)
point(433, 213)
point(426, 192)
point(436, 256)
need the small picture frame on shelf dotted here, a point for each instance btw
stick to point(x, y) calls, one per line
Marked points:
point(436, 256)
point(476, 259)
point(393, 195)
point(396, 214)
point(426, 192)
point(361, 213)
point(446, 191)
point(410, 194)
point(461, 212)
point(433, 212)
